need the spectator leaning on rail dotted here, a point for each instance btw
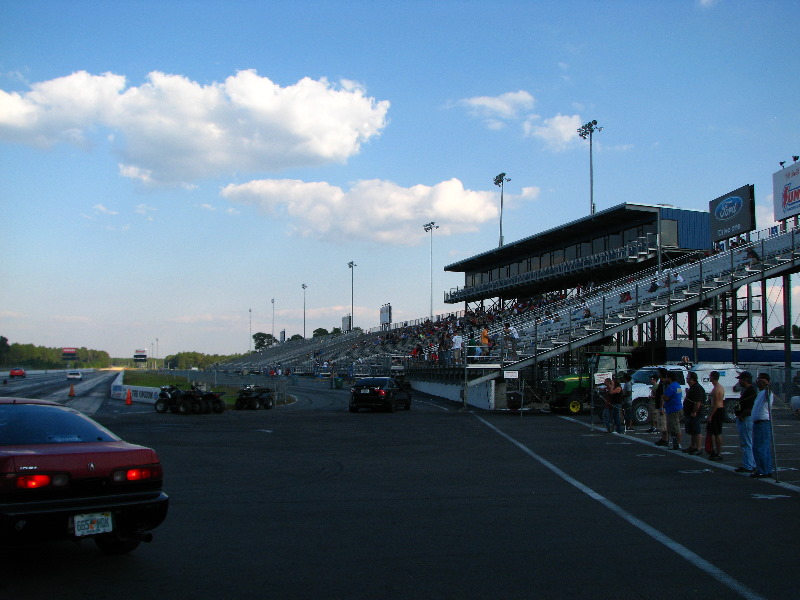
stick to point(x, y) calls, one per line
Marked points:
point(762, 428)
point(744, 422)
point(510, 337)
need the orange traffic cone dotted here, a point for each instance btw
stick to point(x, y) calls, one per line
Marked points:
point(128, 400)
point(71, 391)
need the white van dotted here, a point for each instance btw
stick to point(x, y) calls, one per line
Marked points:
point(728, 373)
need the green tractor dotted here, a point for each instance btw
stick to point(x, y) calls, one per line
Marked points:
point(571, 393)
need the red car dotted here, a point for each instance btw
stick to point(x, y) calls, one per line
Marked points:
point(64, 476)
point(16, 372)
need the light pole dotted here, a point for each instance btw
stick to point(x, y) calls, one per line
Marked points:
point(500, 181)
point(304, 310)
point(250, 341)
point(430, 227)
point(584, 130)
point(273, 320)
point(352, 266)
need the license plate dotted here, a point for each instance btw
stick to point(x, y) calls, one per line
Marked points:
point(365, 391)
point(93, 523)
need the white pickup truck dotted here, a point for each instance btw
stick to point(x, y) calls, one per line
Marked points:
point(727, 379)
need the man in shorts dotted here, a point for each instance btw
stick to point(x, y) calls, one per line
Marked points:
point(717, 415)
point(693, 401)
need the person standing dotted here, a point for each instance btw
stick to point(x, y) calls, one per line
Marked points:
point(627, 400)
point(458, 345)
point(613, 400)
point(744, 421)
point(716, 416)
point(485, 339)
point(661, 417)
point(762, 428)
point(673, 405)
point(693, 401)
point(510, 337)
point(654, 393)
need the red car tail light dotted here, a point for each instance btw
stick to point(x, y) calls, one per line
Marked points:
point(29, 482)
point(40, 480)
point(381, 392)
point(145, 473)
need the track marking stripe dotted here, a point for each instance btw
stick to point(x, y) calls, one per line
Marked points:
point(681, 550)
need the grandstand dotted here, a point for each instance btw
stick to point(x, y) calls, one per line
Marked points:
point(623, 287)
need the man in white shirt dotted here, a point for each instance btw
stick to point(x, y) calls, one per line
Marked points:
point(458, 344)
point(762, 428)
point(510, 337)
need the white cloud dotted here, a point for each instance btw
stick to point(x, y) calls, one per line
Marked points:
point(559, 132)
point(374, 209)
point(100, 209)
point(496, 110)
point(174, 130)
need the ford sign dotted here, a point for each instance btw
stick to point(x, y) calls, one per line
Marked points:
point(728, 208)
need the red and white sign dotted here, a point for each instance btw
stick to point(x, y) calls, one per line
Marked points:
point(786, 192)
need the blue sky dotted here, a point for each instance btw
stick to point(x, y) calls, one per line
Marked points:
point(165, 167)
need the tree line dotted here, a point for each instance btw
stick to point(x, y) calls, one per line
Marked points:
point(40, 357)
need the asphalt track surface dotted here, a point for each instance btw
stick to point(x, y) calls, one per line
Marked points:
point(310, 501)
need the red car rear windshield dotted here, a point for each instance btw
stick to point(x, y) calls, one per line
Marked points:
point(23, 424)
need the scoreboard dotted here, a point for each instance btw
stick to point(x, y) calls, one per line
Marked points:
point(140, 356)
point(69, 354)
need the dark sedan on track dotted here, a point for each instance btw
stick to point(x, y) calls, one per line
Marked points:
point(64, 476)
point(379, 393)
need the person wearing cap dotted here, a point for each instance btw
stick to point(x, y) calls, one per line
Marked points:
point(762, 428)
point(716, 416)
point(744, 421)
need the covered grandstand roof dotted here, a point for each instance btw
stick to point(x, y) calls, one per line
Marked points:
point(630, 213)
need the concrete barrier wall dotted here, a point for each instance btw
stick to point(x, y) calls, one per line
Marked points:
point(146, 395)
point(481, 396)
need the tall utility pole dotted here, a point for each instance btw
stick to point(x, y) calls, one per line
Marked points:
point(249, 342)
point(430, 227)
point(273, 320)
point(352, 266)
point(587, 130)
point(500, 181)
point(304, 310)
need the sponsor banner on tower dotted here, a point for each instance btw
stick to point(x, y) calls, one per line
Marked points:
point(786, 192)
point(732, 214)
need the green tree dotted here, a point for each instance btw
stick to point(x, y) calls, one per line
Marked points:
point(263, 340)
point(296, 336)
point(319, 331)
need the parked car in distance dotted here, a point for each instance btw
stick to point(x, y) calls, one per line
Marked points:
point(16, 372)
point(74, 375)
point(64, 476)
point(379, 393)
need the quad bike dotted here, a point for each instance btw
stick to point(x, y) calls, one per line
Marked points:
point(254, 397)
point(191, 401)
